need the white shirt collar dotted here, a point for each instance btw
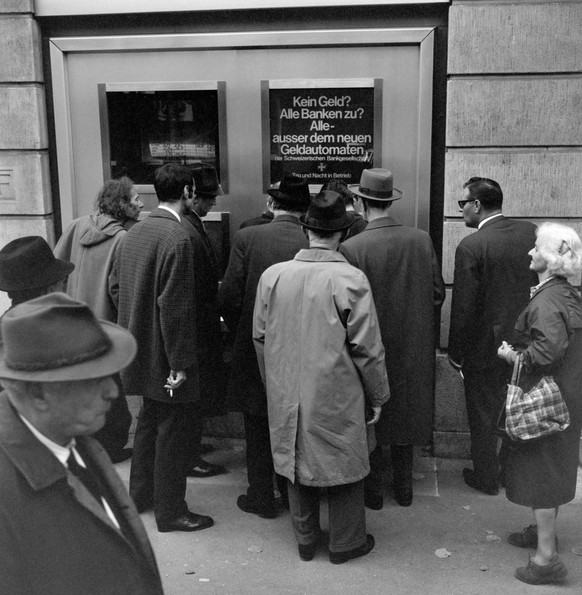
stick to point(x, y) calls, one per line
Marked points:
point(488, 219)
point(170, 211)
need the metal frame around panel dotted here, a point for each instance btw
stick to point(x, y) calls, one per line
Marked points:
point(60, 48)
point(376, 84)
point(219, 86)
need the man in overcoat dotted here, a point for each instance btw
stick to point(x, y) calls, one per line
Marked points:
point(67, 523)
point(208, 331)
point(254, 250)
point(321, 357)
point(491, 288)
point(408, 289)
point(155, 277)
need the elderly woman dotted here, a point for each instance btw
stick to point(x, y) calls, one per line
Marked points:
point(542, 474)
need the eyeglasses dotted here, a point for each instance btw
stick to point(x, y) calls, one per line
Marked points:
point(462, 203)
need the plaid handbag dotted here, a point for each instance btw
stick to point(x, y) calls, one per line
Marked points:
point(539, 412)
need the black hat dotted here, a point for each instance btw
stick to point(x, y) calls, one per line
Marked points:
point(327, 212)
point(29, 263)
point(206, 181)
point(293, 193)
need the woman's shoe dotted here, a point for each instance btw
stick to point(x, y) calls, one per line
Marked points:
point(528, 538)
point(533, 574)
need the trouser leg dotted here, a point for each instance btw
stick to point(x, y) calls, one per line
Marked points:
point(373, 481)
point(174, 448)
point(347, 516)
point(484, 397)
point(141, 477)
point(259, 459)
point(304, 509)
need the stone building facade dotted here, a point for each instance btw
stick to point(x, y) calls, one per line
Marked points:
point(511, 111)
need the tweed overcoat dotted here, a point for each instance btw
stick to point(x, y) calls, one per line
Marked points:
point(490, 289)
point(319, 348)
point(208, 330)
point(254, 250)
point(154, 273)
point(408, 289)
point(91, 243)
point(55, 538)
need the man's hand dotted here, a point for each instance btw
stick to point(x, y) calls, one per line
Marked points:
point(174, 380)
point(375, 415)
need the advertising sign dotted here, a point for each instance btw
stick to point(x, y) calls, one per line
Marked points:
point(323, 129)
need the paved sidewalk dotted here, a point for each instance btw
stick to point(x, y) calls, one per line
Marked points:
point(244, 554)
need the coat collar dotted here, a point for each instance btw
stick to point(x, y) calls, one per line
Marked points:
point(37, 464)
point(318, 255)
point(289, 218)
point(386, 221)
point(494, 221)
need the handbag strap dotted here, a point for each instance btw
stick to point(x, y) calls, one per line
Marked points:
point(517, 369)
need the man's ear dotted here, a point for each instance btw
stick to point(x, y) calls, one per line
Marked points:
point(188, 191)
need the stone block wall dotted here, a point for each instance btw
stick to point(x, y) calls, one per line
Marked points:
point(514, 106)
point(25, 197)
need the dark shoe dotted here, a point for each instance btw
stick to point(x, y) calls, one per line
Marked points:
point(403, 493)
point(373, 500)
point(121, 455)
point(528, 538)
point(533, 574)
point(206, 469)
point(307, 552)
point(341, 557)
point(206, 448)
point(265, 511)
point(189, 521)
point(473, 482)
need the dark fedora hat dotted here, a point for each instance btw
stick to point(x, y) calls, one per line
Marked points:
point(29, 263)
point(206, 180)
point(376, 183)
point(54, 338)
point(293, 193)
point(327, 212)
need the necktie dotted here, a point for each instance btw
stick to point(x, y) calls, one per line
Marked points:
point(89, 479)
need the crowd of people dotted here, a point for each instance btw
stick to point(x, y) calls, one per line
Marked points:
point(334, 309)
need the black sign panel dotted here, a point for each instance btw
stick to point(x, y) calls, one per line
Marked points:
point(321, 133)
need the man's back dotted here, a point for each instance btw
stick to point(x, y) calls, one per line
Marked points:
point(408, 289)
point(254, 250)
point(491, 287)
point(156, 297)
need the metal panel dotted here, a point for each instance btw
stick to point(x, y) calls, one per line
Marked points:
point(410, 163)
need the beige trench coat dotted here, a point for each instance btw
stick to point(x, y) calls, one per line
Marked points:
point(321, 356)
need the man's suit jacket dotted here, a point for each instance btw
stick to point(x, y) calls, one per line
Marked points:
point(155, 274)
point(254, 250)
point(208, 329)
point(55, 538)
point(408, 289)
point(491, 287)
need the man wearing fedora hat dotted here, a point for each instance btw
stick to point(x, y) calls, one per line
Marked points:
point(208, 329)
point(322, 361)
point(254, 250)
point(67, 524)
point(28, 269)
point(408, 288)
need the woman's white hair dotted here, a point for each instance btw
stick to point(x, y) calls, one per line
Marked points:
point(561, 248)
